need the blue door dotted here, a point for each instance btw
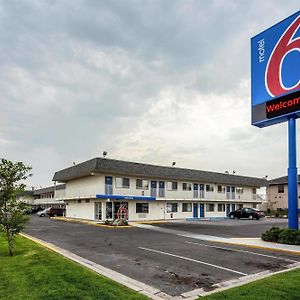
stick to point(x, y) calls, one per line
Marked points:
point(108, 185)
point(195, 210)
point(232, 207)
point(161, 191)
point(201, 210)
point(227, 209)
point(153, 192)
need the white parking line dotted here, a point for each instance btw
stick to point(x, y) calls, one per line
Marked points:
point(194, 260)
point(243, 251)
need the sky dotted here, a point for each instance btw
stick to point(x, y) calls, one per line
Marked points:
point(146, 81)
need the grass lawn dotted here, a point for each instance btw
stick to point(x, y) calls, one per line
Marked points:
point(282, 286)
point(37, 273)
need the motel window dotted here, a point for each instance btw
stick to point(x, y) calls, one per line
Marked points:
point(142, 184)
point(221, 207)
point(186, 186)
point(172, 186)
point(172, 207)
point(186, 207)
point(221, 189)
point(239, 190)
point(142, 208)
point(281, 188)
point(78, 201)
point(122, 182)
point(210, 207)
point(254, 190)
point(209, 188)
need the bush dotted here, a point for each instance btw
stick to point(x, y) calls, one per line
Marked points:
point(271, 235)
point(282, 236)
point(289, 236)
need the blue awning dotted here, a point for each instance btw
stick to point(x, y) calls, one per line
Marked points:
point(121, 197)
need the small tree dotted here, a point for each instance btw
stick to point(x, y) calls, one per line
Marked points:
point(12, 212)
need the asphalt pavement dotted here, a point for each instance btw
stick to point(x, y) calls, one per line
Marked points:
point(170, 263)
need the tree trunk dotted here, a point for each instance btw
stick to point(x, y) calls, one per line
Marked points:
point(10, 242)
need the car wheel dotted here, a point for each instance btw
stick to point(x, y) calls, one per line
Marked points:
point(232, 217)
point(42, 215)
point(251, 217)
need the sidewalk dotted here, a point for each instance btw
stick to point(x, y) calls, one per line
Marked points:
point(246, 242)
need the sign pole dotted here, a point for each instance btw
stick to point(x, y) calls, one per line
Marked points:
point(292, 176)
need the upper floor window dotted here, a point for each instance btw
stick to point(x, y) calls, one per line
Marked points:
point(142, 184)
point(122, 182)
point(239, 190)
point(186, 186)
point(221, 189)
point(172, 186)
point(254, 190)
point(209, 188)
point(281, 188)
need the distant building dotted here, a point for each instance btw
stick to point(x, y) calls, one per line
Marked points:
point(95, 190)
point(26, 197)
point(277, 193)
point(49, 196)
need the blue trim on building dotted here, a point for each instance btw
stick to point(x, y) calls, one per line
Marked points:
point(120, 197)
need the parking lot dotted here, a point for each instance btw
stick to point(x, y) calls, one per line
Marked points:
point(171, 263)
point(225, 227)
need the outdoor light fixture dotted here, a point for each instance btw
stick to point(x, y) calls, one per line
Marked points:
point(104, 153)
point(173, 163)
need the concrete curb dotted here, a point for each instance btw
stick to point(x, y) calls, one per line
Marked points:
point(133, 284)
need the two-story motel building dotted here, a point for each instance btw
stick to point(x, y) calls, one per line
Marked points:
point(96, 188)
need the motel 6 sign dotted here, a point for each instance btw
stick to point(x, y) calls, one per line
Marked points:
point(275, 73)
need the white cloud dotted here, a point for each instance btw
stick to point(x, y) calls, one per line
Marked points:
point(151, 81)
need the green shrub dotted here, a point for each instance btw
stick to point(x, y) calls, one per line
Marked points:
point(289, 236)
point(271, 235)
point(282, 236)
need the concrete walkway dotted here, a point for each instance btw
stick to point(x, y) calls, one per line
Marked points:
point(247, 242)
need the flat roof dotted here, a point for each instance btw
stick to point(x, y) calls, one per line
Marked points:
point(119, 167)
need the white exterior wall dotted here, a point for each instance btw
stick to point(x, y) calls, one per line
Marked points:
point(81, 210)
point(277, 200)
point(88, 187)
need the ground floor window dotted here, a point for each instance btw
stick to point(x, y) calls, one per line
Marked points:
point(240, 205)
point(221, 207)
point(142, 208)
point(172, 207)
point(210, 207)
point(98, 210)
point(186, 207)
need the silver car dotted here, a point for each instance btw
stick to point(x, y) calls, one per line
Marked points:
point(43, 213)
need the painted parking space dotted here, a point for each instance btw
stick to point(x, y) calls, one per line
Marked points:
point(172, 264)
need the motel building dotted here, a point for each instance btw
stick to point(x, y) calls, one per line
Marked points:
point(95, 190)
point(277, 193)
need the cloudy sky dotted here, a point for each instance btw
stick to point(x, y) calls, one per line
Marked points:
point(147, 81)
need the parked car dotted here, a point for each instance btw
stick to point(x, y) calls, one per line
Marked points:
point(36, 209)
point(246, 212)
point(56, 211)
point(43, 213)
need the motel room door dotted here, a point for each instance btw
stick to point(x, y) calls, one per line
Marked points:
point(195, 210)
point(201, 210)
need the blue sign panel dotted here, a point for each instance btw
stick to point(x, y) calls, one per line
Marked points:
point(275, 73)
